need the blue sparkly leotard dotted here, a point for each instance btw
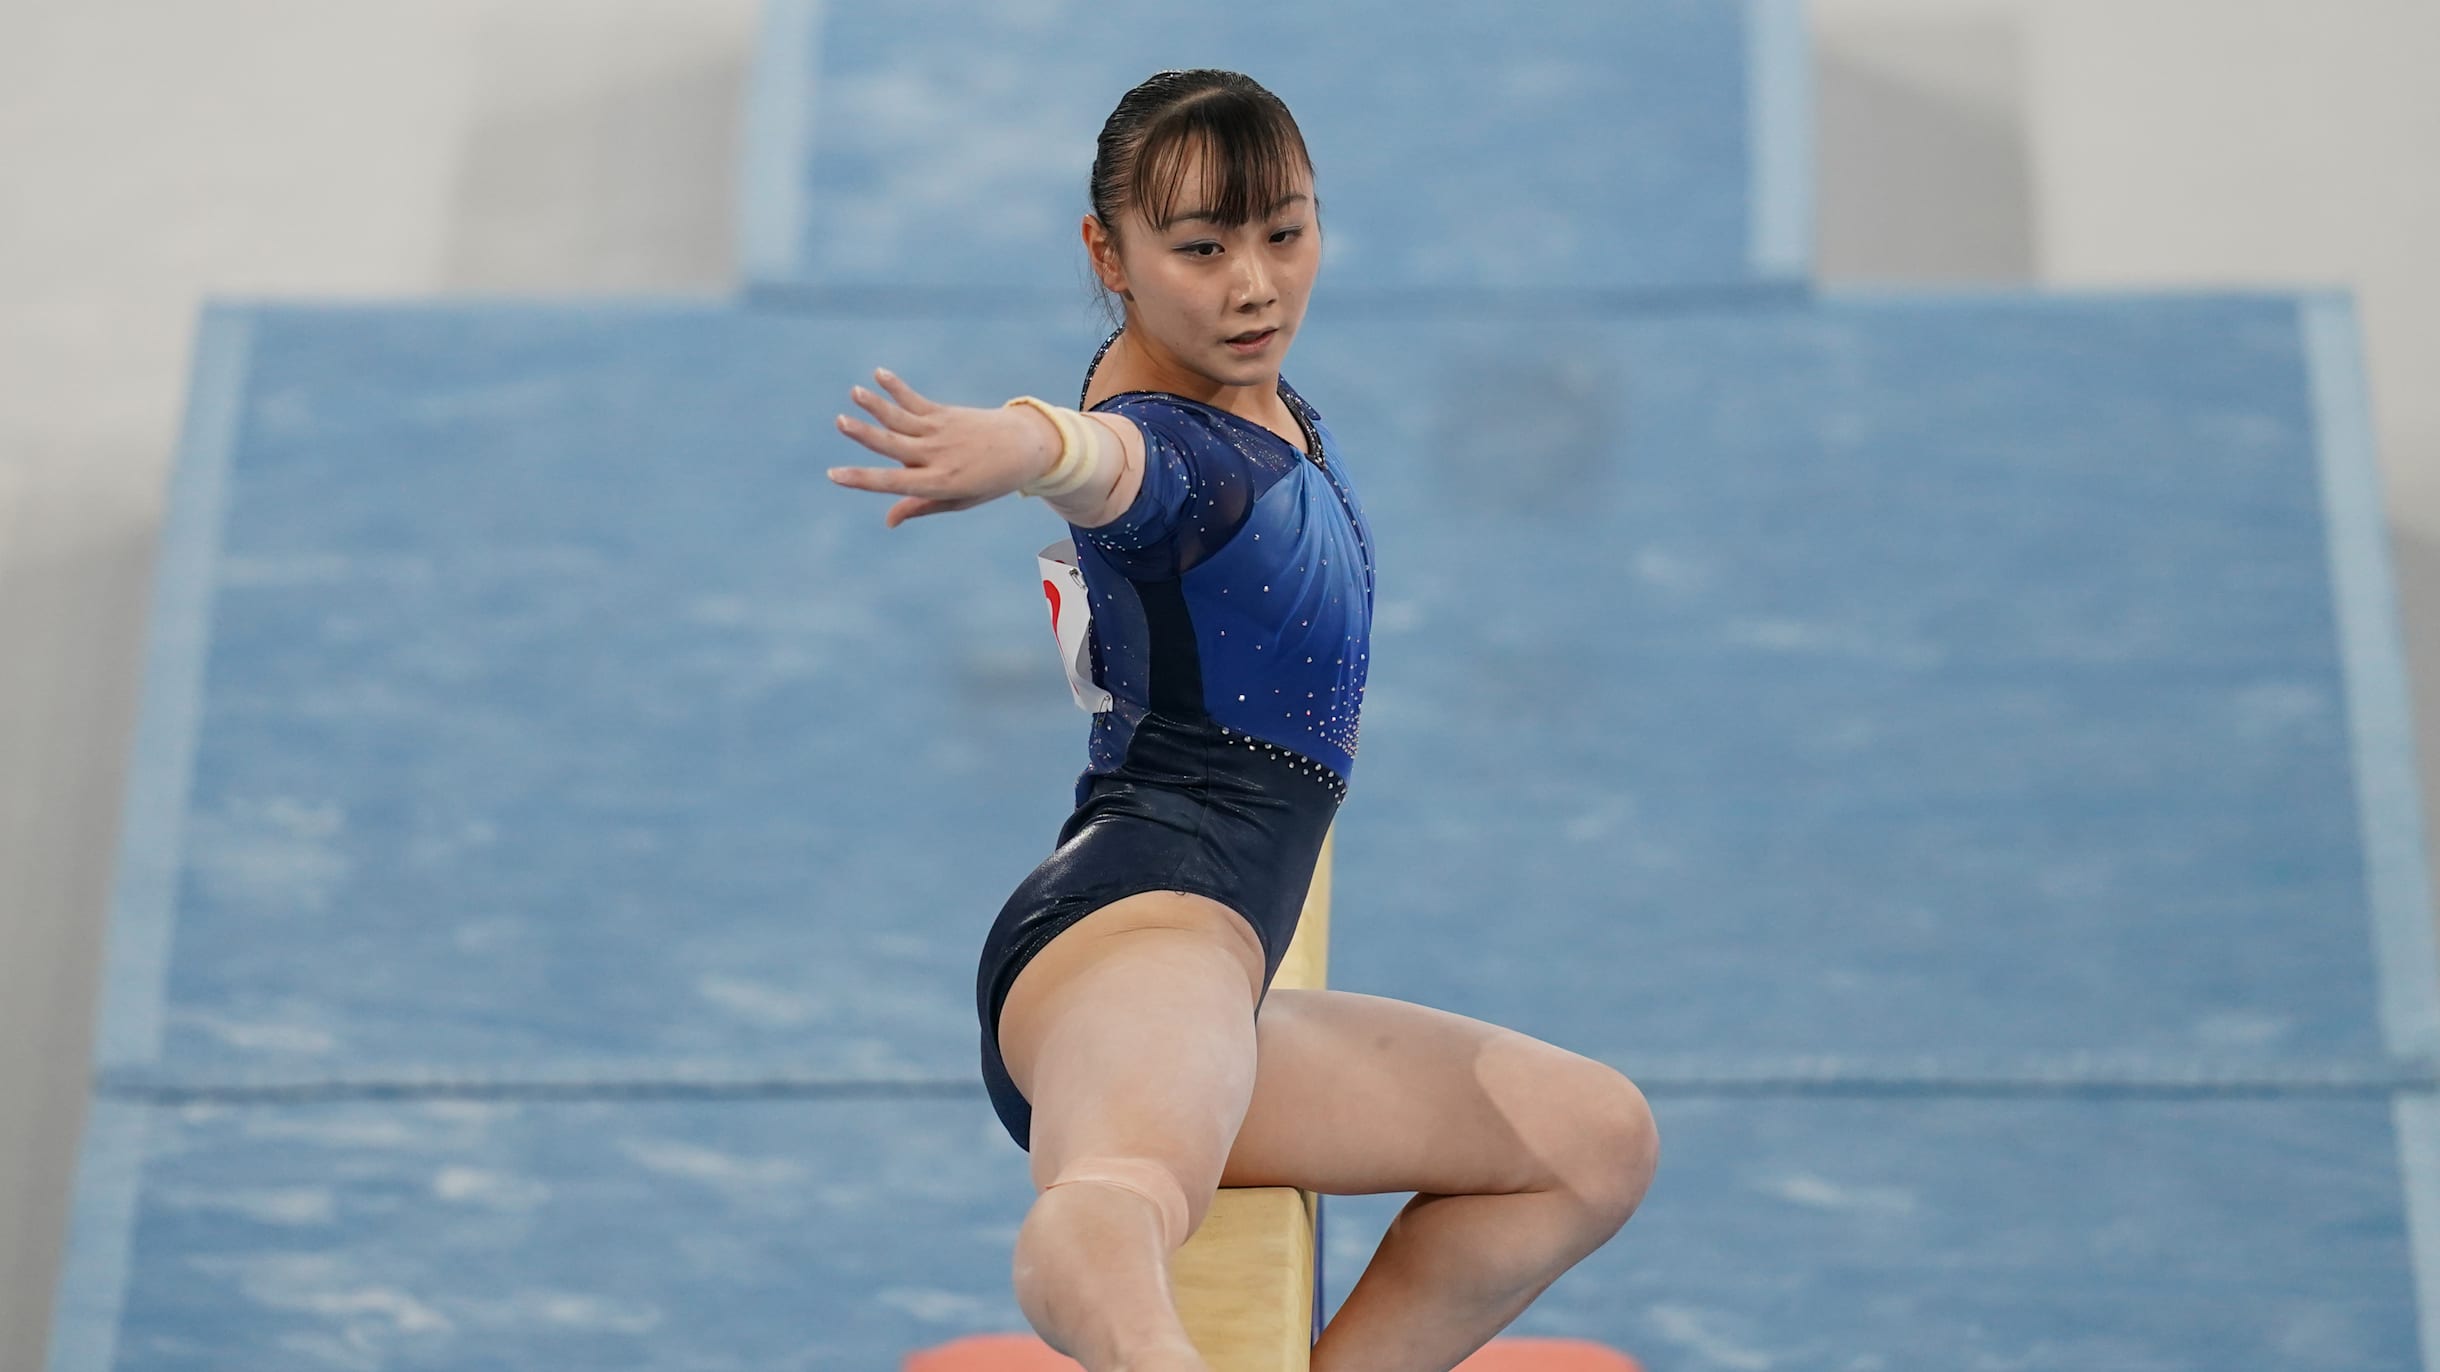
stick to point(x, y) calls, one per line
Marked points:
point(1238, 585)
point(1231, 621)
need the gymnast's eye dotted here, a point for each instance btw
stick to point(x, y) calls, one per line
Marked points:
point(1190, 248)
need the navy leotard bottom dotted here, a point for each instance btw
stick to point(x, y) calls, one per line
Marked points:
point(1188, 809)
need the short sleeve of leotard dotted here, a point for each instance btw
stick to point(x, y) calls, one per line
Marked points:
point(1199, 481)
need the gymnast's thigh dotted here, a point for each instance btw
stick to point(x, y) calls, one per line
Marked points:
point(1225, 946)
point(1359, 1094)
point(1117, 871)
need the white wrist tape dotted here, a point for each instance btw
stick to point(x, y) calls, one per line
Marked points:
point(1080, 450)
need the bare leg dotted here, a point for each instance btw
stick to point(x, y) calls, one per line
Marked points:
point(1092, 1276)
point(1135, 1046)
point(1524, 1159)
point(1452, 1272)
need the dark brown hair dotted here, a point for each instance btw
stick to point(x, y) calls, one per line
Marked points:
point(1251, 145)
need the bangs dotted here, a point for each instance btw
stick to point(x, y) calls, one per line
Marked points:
point(1253, 157)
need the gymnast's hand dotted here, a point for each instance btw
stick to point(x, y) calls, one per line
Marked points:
point(951, 457)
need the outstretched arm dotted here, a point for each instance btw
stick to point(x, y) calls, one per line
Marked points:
point(954, 457)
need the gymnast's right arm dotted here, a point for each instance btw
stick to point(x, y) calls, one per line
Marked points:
point(954, 457)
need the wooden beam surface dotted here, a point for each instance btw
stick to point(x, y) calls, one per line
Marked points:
point(1244, 1280)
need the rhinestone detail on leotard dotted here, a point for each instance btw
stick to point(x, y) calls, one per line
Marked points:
point(1297, 762)
point(1341, 721)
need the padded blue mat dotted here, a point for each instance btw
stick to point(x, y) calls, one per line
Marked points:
point(1946, 748)
point(1885, 678)
point(1907, 672)
point(833, 1235)
point(1644, 149)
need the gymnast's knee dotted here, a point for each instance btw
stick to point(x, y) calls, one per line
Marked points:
point(1151, 1180)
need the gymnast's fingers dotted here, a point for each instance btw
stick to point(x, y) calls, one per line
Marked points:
point(901, 392)
point(915, 506)
point(885, 441)
point(896, 419)
point(885, 480)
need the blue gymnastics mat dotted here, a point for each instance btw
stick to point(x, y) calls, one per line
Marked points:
point(1948, 749)
point(1783, 1231)
point(1621, 151)
point(1795, 660)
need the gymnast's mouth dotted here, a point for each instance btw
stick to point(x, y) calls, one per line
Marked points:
point(1258, 336)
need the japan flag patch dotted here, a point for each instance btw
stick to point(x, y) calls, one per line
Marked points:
point(1071, 622)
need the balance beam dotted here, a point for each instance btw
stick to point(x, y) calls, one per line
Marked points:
point(1246, 1281)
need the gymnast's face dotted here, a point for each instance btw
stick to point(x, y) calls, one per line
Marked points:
point(1192, 285)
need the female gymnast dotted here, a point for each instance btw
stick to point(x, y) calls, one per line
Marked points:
point(1127, 1038)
